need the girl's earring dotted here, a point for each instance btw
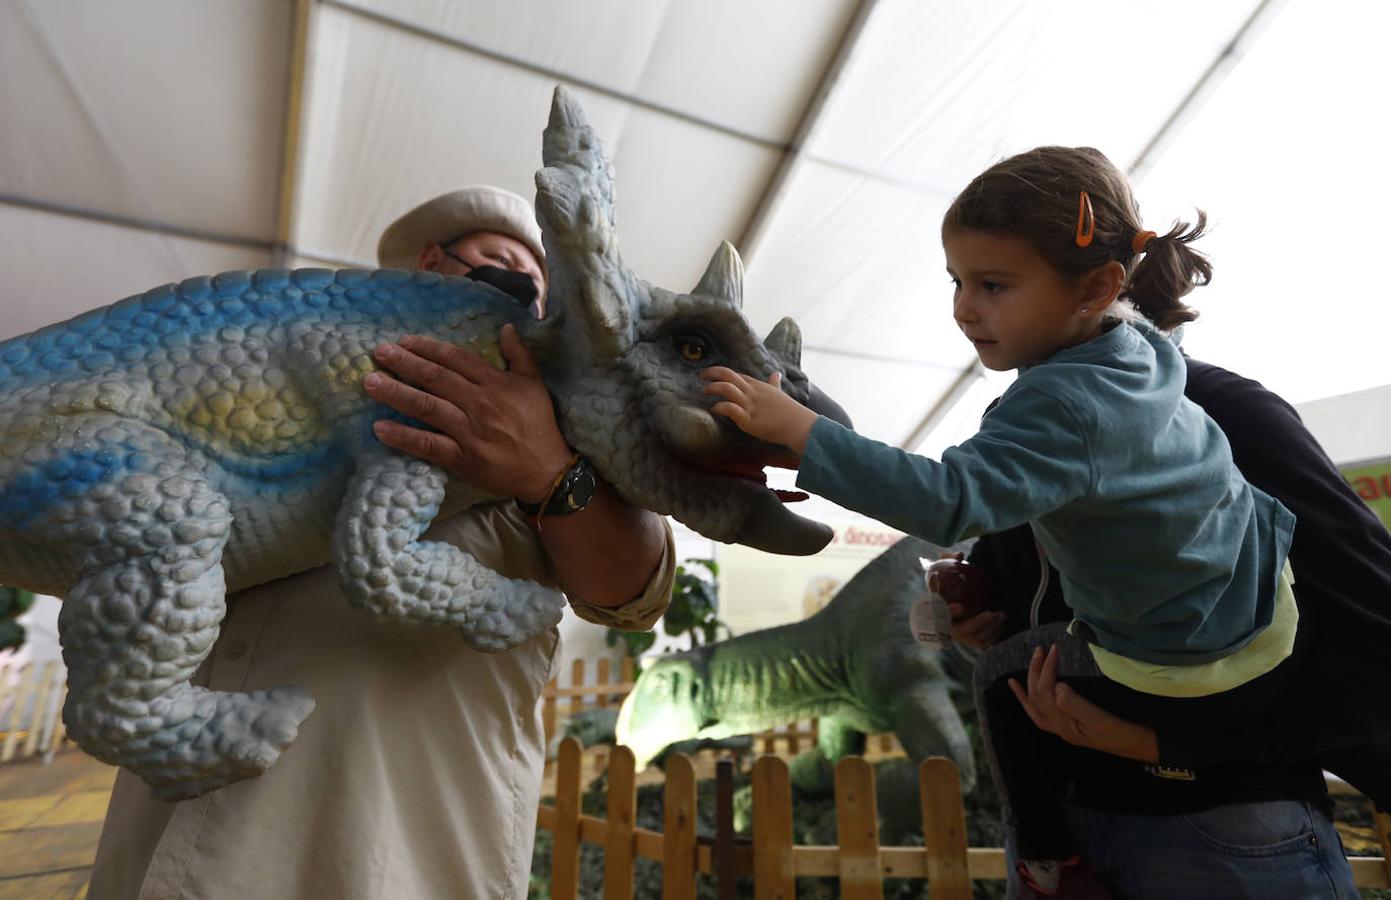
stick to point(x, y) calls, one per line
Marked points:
point(1084, 309)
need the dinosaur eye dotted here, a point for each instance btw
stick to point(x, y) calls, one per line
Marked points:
point(693, 348)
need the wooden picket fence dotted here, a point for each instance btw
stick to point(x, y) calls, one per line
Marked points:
point(31, 707)
point(609, 688)
point(770, 856)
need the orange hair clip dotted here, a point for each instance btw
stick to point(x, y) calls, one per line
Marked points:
point(1086, 221)
point(1141, 239)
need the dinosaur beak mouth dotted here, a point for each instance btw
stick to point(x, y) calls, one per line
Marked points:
point(729, 478)
point(754, 473)
point(769, 526)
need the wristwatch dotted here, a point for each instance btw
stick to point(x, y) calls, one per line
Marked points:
point(572, 492)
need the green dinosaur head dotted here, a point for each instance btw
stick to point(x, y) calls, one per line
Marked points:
point(669, 703)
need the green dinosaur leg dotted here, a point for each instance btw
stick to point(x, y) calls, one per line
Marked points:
point(814, 771)
point(138, 623)
point(929, 725)
point(389, 503)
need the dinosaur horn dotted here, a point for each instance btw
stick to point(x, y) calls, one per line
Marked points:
point(570, 143)
point(574, 206)
point(785, 342)
point(724, 277)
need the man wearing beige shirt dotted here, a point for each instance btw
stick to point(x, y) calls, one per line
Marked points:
point(419, 772)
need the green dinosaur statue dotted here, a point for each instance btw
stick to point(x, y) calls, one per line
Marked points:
point(854, 666)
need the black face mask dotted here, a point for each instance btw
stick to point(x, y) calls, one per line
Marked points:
point(518, 285)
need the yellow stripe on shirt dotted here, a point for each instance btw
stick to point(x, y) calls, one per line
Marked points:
point(1264, 652)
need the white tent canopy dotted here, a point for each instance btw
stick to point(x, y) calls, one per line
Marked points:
point(150, 140)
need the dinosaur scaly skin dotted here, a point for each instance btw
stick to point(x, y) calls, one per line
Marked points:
point(854, 666)
point(212, 435)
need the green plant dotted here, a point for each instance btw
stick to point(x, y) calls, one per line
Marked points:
point(635, 643)
point(693, 610)
point(13, 604)
point(695, 603)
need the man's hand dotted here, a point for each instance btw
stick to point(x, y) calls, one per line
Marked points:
point(497, 427)
point(1058, 709)
point(760, 408)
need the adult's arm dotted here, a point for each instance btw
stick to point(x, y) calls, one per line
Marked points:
point(497, 429)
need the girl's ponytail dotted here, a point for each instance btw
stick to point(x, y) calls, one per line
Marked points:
point(1167, 271)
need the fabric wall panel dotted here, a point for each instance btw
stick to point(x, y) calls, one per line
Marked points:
point(750, 67)
point(858, 262)
point(160, 111)
point(944, 89)
point(385, 139)
point(57, 266)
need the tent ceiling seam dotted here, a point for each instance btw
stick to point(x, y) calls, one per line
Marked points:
point(88, 112)
point(944, 405)
point(612, 93)
point(795, 151)
point(292, 132)
point(554, 74)
point(871, 357)
point(150, 225)
point(1207, 83)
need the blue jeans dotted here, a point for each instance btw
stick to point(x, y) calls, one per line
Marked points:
point(1276, 850)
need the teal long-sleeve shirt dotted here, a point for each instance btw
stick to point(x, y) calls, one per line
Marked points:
point(1165, 551)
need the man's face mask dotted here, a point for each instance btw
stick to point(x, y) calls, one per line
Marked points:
point(517, 285)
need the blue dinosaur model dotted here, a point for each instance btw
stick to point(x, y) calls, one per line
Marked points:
point(211, 435)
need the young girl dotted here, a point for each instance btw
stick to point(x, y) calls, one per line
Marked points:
point(1173, 566)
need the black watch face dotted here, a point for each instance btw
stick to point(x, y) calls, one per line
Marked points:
point(582, 491)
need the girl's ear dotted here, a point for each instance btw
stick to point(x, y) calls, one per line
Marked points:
point(1100, 287)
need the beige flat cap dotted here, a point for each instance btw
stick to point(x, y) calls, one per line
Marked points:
point(451, 216)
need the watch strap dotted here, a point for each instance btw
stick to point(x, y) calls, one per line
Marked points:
point(562, 499)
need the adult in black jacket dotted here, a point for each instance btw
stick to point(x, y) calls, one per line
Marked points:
point(1341, 557)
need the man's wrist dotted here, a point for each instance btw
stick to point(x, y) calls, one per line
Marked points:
point(545, 477)
point(569, 493)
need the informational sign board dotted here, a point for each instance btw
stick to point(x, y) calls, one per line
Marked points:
point(1372, 482)
point(760, 590)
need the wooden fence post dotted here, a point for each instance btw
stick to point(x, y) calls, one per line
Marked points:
point(54, 734)
point(774, 872)
point(944, 829)
point(38, 718)
point(28, 673)
point(603, 680)
point(576, 681)
point(4, 691)
point(857, 831)
point(725, 874)
point(1382, 822)
point(625, 670)
point(565, 852)
point(622, 810)
point(679, 830)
